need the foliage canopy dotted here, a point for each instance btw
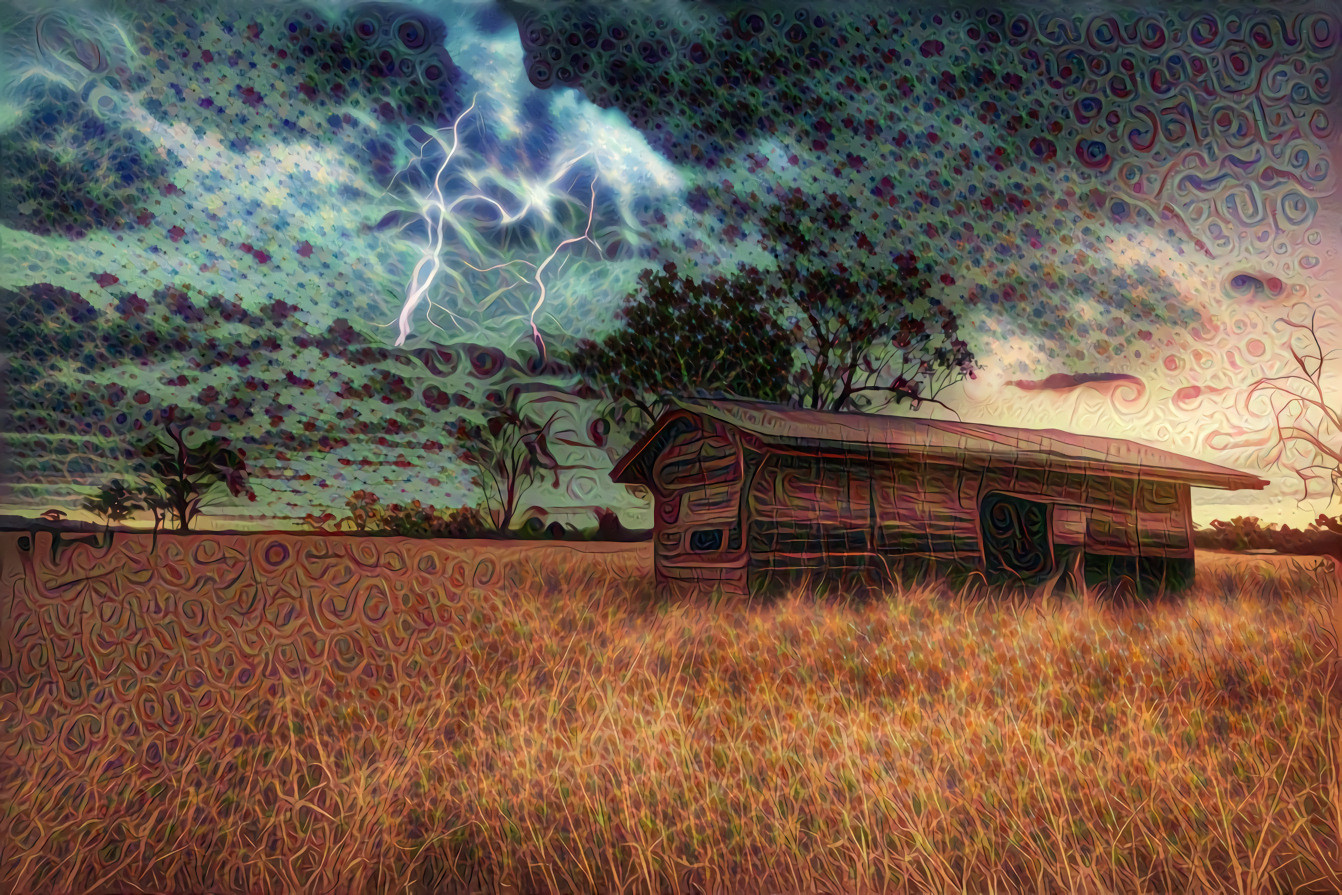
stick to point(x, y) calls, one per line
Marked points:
point(188, 476)
point(831, 325)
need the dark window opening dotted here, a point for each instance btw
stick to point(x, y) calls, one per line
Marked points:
point(1017, 541)
point(703, 540)
point(734, 538)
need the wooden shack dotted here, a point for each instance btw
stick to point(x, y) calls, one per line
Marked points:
point(749, 495)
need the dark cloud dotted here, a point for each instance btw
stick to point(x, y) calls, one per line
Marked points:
point(1031, 151)
point(1256, 286)
point(390, 54)
point(68, 172)
point(492, 19)
point(282, 73)
point(699, 86)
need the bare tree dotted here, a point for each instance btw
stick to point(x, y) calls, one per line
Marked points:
point(1308, 431)
point(507, 453)
point(1308, 426)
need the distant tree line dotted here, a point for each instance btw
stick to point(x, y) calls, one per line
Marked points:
point(507, 452)
point(1323, 536)
point(366, 514)
point(175, 481)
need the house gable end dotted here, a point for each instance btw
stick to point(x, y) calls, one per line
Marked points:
point(636, 466)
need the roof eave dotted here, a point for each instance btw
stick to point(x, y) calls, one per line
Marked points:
point(1229, 480)
point(621, 473)
point(1236, 482)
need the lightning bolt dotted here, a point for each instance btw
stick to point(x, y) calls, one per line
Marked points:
point(434, 212)
point(440, 217)
point(587, 236)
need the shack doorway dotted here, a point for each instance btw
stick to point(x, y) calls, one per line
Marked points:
point(1017, 542)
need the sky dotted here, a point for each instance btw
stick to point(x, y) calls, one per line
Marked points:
point(328, 231)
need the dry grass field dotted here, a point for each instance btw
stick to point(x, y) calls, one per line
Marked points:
point(278, 713)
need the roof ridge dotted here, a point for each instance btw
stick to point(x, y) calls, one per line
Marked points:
point(1123, 455)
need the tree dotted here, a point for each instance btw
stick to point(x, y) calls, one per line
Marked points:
point(865, 326)
point(1307, 430)
point(507, 452)
point(188, 477)
point(831, 326)
point(113, 502)
point(680, 335)
point(1306, 425)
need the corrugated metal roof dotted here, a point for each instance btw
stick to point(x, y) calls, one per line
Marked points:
point(779, 425)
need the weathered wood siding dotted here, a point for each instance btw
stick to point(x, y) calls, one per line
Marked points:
point(697, 480)
point(810, 510)
point(919, 508)
point(1121, 516)
point(835, 509)
point(724, 508)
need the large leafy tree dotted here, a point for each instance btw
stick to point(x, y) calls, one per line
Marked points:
point(188, 476)
point(680, 335)
point(833, 324)
point(868, 328)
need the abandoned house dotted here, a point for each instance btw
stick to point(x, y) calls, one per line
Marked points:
point(749, 494)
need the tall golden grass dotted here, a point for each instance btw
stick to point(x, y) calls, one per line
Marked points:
point(580, 736)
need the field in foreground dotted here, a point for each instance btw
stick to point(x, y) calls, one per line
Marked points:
point(284, 713)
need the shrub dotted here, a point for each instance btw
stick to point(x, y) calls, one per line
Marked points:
point(418, 520)
point(364, 512)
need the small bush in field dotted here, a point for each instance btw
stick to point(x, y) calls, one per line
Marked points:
point(365, 513)
point(113, 502)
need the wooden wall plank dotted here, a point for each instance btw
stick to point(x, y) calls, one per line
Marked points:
point(837, 509)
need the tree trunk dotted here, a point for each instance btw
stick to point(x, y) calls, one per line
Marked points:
point(509, 507)
point(107, 535)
